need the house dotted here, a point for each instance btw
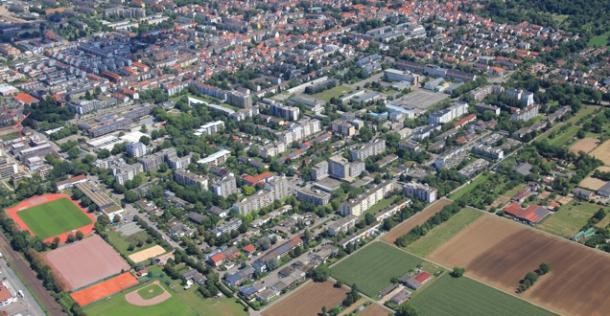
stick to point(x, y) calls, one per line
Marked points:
point(237, 278)
point(276, 253)
point(6, 297)
point(217, 259)
point(401, 297)
point(418, 280)
point(533, 214)
point(178, 230)
point(249, 249)
point(193, 276)
point(582, 194)
point(604, 190)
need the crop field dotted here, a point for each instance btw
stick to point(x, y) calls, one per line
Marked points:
point(374, 310)
point(182, 302)
point(585, 145)
point(463, 296)
point(591, 183)
point(417, 219)
point(443, 232)
point(602, 152)
point(569, 219)
point(308, 300)
point(332, 93)
point(373, 267)
point(499, 252)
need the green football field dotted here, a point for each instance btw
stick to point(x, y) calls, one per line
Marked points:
point(463, 296)
point(373, 267)
point(53, 218)
point(182, 303)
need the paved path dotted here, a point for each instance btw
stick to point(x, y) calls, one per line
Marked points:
point(22, 268)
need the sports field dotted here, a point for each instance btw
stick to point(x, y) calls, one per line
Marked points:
point(569, 219)
point(150, 291)
point(443, 232)
point(332, 93)
point(53, 218)
point(181, 303)
point(373, 267)
point(463, 296)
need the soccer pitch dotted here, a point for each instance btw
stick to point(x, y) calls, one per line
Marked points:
point(53, 218)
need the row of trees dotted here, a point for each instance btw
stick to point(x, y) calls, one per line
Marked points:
point(531, 277)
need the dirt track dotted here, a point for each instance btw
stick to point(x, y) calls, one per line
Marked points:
point(22, 268)
point(417, 219)
point(500, 252)
point(308, 300)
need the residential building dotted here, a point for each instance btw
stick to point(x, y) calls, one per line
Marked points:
point(210, 128)
point(372, 148)
point(367, 199)
point(216, 159)
point(488, 152)
point(320, 170)
point(277, 189)
point(420, 191)
point(224, 186)
point(341, 168)
point(313, 196)
point(136, 149)
point(188, 178)
point(448, 114)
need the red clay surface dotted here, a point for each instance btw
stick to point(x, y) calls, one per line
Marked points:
point(85, 262)
point(43, 199)
point(500, 252)
point(417, 219)
point(103, 289)
point(308, 300)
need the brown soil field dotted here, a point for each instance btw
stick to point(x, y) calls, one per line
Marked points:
point(374, 310)
point(85, 262)
point(585, 145)
point(602, 152)
point(500, 252)
point(308, 300)
point(590, 183)
point(415, 220)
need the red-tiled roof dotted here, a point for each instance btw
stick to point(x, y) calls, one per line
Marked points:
point(252, 180)
point(422, 277)
point(25, 98)
point(532, 214)
point(249, 248)
point(217, 258)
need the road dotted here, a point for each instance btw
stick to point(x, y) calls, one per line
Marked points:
point(22, 268)
point(153, 225)
point(26, 305)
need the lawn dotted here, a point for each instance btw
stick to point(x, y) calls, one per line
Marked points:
point(443, 232)
point(53, 218)
point(463, 296)
point(332, 93)
point(469, 187)
point(182, 303)
point(150, 291)
point(569, 219)
point(383, 204)
point(373, 267)
point(584, 111)
point(122, 243)
point(599, 40)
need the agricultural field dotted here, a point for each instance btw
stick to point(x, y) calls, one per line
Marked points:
point(308, 300)
point(385, 260)
point(332, 93)
point(585, 145)
point(182, 302)
point(591, 183)
point(443, 232)
point(468, 187)
point(54, 218)
point(602, 152)
point(569, 219)
point(374, 310)
point(499, 252)
point(417, 219)
point(463, 296)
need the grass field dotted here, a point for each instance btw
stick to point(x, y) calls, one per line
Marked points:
point(150, 291)
point(463, 296)
point(383, 204)
point(182, 303)
point(569, 219)
point(443, 232)
point(53, 218)
point(599, 40)
point(121, 243)
point(373, 267)
point(584, 111)
point(469, 187)
point(332, 93)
